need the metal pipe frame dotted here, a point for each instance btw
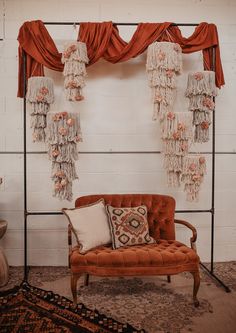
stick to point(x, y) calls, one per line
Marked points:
point(113, 152)
point(213, 153)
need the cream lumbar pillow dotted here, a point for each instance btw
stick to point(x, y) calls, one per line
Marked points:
point(90, 225)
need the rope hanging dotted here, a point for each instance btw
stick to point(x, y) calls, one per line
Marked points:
point(63, 133)
point(164, 62)
point(74, 59)
point(201, 91)
point(177, 135)
point(194, 169)
point(40, 94)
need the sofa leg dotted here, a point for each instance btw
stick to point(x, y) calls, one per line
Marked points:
point(73, 284)
point(86, 279)
point(168, 279)
point(196, 284)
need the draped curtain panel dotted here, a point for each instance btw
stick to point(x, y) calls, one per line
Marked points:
point(103, 41)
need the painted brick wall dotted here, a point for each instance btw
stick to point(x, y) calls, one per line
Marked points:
point(115, 116)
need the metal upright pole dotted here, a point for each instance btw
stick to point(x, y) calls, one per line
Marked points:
point(211, 270)
point(213, 176)
point(25, 170)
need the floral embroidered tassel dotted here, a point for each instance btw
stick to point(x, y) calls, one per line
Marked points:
point(164, 62)
point(194, 169)
point(74, 57)
point(63, 133)
point(201, 91)
point(40, 94)
point(177, 135)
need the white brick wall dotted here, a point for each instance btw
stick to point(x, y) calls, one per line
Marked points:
point(115, 116)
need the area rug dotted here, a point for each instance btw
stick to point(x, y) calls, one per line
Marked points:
point(29, 309)
point(149, 303)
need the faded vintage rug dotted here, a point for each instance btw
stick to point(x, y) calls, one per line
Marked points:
point(27, 309)
point(149, 303)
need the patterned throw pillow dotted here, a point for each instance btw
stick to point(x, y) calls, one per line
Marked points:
point(129, 226)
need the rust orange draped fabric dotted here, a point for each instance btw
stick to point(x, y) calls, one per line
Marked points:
point(40, 51)
point(103, 41)
point(205, 38)
point(115, 49)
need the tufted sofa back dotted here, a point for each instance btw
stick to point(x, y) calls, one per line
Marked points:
point(161, 209)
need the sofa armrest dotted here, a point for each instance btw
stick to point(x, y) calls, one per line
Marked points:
point(194, 231)
point(69, 243)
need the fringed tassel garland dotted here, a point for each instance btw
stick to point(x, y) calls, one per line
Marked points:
point(40, 94)
point(164, 62)
point(63, 132)
point(74, 57)
point(194, 169)
point(201, 90)
point(177, 136)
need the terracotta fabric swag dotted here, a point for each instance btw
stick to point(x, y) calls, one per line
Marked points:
point(103, 41)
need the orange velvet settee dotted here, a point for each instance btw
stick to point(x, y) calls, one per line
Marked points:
point(166, 257)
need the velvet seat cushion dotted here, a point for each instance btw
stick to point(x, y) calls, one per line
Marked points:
point(168, 256)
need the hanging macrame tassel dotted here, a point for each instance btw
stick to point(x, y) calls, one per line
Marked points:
point(177, 135)
point(63, 175)
point(74, 59)
point(194, 169)
point(63, 133)
point(164, 62)
point(40, 94)
point(173, 178)
point(201, 90)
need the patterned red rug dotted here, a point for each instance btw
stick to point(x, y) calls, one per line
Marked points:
point(29, 309)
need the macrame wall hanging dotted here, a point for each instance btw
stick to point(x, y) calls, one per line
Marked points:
point(180, 129)
point(177, 135)
point(194, 169)
point(164, 62)
point(63, 133)
point(40, 94)
point(74, 59)
point(201, 90)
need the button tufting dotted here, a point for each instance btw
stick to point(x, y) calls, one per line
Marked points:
point(155, 255)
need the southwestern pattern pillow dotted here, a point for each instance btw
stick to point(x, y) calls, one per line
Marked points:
point(129, 226)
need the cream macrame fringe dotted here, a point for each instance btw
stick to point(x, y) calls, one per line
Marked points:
point(201, 90)
point(201, 83)
point(164, 61)
point(173, 163)
point(63, 127)
point(177, 126)
point(63, 132)
point(74, 59)
point(194, 169)
point(40, 94)
point(164, 55)
point(173, 179)
point(201, 103)
point(163, 99)
point(177, 135)
point(63, 153)
point(64, 170)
